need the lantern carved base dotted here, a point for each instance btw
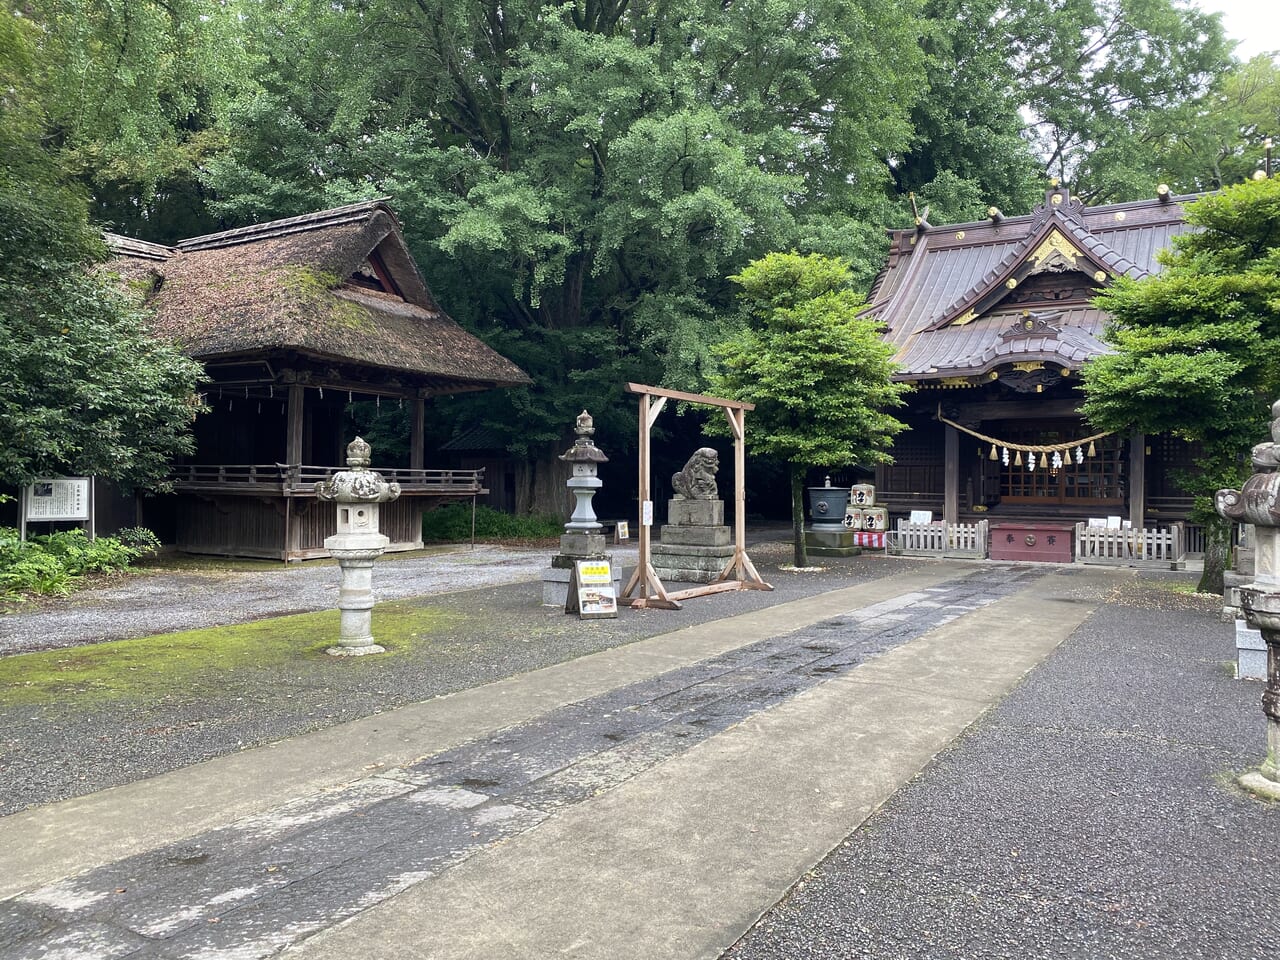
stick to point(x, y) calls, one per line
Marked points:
point(355, 554)
point(1261, 602)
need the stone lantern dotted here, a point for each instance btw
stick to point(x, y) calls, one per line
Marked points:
point(1258, 503)
point(585, 458)
point(583, 538)
point(357, 492)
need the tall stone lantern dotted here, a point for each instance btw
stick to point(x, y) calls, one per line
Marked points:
point(585, 458)
point(1258, 502)
point(357, 492)
point(582, 538)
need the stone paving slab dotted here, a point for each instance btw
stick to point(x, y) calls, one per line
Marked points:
point(627, 758)
point(1092, 814)
point(678, 862)
point(75, 834)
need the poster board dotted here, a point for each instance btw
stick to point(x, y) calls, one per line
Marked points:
point(57, 498)
point(591, 592)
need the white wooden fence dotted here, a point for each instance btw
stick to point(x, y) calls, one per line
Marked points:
point(1149, 546)
point(941, 539)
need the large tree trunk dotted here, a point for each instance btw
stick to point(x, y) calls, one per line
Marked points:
point(1217, 549)
point(797, 515)
point(540, 487)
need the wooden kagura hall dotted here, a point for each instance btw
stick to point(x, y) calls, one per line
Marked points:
point(293, 320)
point(992, 322)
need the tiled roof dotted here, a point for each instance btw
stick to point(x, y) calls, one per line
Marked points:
point(950, 295)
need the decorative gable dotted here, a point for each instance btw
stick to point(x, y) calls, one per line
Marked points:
point(1057, 243)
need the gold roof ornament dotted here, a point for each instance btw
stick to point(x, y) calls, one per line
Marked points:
point(1055, 245)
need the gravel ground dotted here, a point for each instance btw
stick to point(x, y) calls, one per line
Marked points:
point(160, 601)
point(1092, 814)
point(66, 746)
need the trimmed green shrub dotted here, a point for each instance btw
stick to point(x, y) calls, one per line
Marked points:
point(51, 565)
point(452, 524)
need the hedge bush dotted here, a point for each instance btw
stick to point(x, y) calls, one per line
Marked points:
point(52, 564)
point(452, 524)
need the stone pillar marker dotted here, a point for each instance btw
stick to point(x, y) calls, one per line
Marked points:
point(582, 538)
point(1258, 502)
point(357, 492)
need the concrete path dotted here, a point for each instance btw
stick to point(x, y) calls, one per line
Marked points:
point(647, 801)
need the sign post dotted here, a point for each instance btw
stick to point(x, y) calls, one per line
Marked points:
point(54, 499)
point(591, 594)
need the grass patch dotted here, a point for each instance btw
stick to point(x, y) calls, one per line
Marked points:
point(196, 662)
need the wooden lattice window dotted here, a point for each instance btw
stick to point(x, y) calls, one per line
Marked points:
point(1096, 481)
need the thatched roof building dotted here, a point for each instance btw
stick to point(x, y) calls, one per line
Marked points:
point(337, 286)
point(293, 320)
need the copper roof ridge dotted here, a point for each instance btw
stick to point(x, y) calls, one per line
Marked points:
point(916, 257)
point(337, 216)
point(1079, 207)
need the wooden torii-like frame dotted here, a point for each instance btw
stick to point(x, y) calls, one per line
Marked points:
point(739, 573)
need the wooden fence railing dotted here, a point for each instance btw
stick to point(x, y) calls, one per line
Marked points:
point(940, 539)
point(300, 479)
point(1164, 546)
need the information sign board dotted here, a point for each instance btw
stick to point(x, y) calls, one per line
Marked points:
point(591, 592)
point(58, 498)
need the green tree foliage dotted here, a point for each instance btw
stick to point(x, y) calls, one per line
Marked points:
point(130, 91)
point(818, 374)
point(1197, 344)
point(1077, 89)
point(1218, 139)
point(86, 389)
point(970, 150)
point(579, 177)
point(1100, 74)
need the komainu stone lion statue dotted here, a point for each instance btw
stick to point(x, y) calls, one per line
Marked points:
point(697, 481)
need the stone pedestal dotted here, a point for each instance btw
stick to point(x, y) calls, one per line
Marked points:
point(694, 545)
point(355, 554)
point(831, 543)
point(1251, 653)
point(574, 547)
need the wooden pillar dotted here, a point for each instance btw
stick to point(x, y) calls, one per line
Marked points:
point(951, 476)
point(293, 430)
point(1137, 478)
point(738, 424)
point(293, 457)
point(417, 427)
point(643, 496)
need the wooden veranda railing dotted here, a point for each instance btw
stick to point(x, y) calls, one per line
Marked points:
point(299, 480)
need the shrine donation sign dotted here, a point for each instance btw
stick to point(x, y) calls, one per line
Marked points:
point(591, 592)
point(58, 498)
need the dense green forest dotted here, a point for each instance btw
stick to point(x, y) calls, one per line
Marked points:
point(578, 179)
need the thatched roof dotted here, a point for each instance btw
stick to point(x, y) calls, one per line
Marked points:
point(338, 285)
point(965, 300)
